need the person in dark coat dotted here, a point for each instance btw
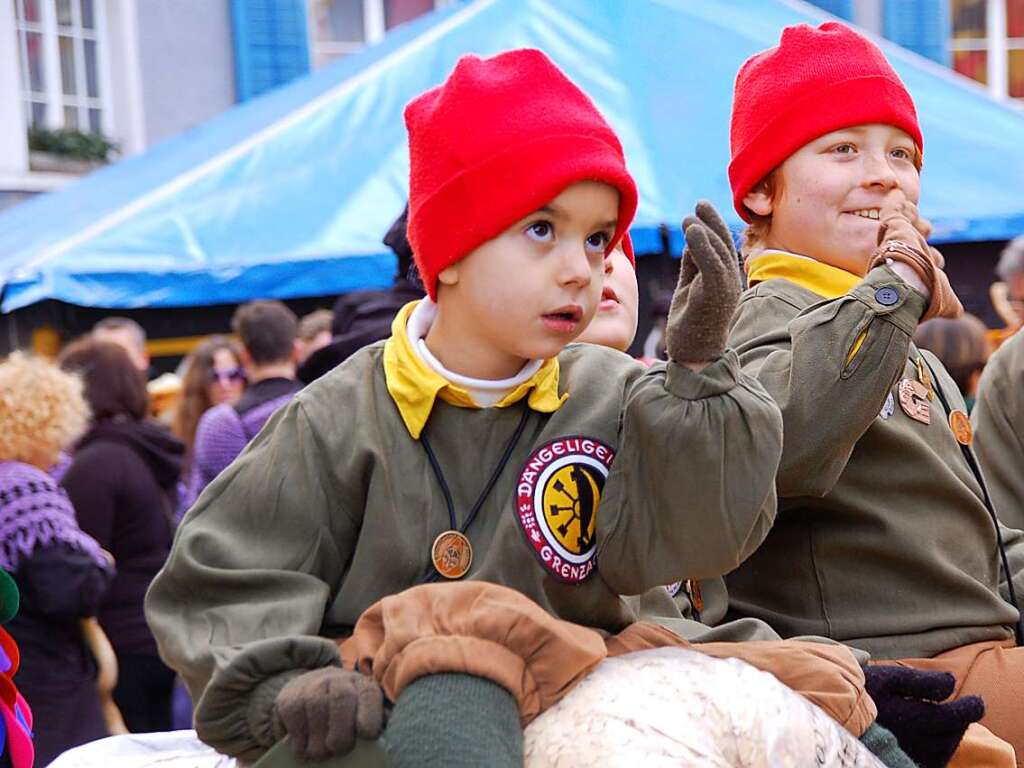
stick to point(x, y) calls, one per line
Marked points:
point(123, 482)
point(60, 571)
point(363, 317)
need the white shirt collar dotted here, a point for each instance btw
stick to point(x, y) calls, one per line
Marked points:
point(485, 392)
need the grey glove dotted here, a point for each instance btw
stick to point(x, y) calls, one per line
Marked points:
point(707, 292)
point(324, 710)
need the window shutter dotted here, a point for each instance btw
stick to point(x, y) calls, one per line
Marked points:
point(841, 8)
point(922, 26)
point(271, 44)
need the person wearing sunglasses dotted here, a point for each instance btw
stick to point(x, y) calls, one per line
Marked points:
point(212, 375)
point(270, 351)
point(226, 384)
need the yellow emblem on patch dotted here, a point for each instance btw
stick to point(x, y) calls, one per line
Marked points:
point(570, 498)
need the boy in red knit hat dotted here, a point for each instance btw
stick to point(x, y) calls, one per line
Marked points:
point(473, 444)
point(885, 539)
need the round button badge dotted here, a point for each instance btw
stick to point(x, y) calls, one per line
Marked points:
point(960, 423)
point(452, 554)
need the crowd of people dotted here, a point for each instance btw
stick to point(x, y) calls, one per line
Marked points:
point(458, 495)
point(97, 468)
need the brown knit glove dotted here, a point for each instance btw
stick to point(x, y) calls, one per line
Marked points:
point(901, 237)
point(324, 710)
point(707, 292)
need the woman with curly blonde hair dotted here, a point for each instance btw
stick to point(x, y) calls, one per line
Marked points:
point(61, 572)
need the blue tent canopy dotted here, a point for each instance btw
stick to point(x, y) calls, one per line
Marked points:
point(289, 195)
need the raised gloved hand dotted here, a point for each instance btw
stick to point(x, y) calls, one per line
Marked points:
point(324, 710)
point(901, 238)
point(909, 705)
point(707, 292)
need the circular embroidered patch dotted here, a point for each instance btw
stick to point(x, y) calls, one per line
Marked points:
point(557, 497)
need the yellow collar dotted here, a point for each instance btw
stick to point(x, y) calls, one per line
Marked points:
point(414, 385)
point(823, 279)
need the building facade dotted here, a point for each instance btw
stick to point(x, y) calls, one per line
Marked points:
point(77, 76)
point(981, 39)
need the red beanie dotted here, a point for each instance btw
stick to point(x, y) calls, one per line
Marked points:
point(500, 138)
point(627, 248)
point(815, 81)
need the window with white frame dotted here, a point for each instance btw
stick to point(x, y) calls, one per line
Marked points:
point(987, 44)
point(341, 27)
point(60, 49)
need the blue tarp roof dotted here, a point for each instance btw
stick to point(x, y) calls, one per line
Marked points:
point(289, 195)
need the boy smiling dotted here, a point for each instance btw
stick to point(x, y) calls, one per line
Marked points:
point(408, 463)
point(884, 538)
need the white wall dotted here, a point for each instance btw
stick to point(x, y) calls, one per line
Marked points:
point(187, 63)
point(868, 14)
point(13, 144)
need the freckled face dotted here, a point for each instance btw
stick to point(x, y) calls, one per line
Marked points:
point(832, 191)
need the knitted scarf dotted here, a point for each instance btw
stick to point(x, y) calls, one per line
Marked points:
point(36, 513)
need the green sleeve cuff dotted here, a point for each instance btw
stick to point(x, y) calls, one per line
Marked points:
point(235, 713)
point(890, 297)
point(717, 378)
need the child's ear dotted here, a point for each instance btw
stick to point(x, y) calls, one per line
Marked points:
point(449, 275)
point(758, 200)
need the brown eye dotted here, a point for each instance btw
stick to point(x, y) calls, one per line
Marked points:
point(598, 241)
point(541, 231)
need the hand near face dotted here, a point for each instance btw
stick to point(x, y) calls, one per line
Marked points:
point(903, 248)
point(899, 220)
point(925, 228)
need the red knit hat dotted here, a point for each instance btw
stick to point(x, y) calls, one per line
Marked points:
point(816, 80)
point(627, 248)
point(500, 138)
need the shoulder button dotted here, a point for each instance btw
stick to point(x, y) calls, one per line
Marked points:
point(887, 296)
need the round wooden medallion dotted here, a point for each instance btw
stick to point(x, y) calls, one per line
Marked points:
point(960, 423)
point(452, 554)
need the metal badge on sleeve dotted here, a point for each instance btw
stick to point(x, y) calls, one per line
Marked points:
point(913, 397)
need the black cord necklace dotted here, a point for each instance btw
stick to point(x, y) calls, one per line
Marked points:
point(451, 552)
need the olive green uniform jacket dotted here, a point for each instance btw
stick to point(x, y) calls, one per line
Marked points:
point(334, 506)
point(882, 539)
point(998, 418)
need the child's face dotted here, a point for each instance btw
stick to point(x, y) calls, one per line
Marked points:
point(832, 191)
point(614, 324)
point(535, 287)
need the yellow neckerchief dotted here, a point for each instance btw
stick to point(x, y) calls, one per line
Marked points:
point(817, 277)
point(414, 385)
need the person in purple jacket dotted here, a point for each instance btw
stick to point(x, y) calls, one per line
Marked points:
point(269, 334)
